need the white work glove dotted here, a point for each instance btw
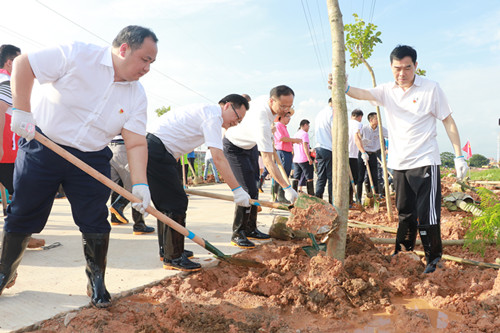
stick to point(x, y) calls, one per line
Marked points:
point(23, 124)
point(241, 197)
point(141, 191)
point(290, 194)
point(365, 157)
point(461, 167)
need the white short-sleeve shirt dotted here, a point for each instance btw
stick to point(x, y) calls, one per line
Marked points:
point(82, 106)
point(411, 122)
point(185, 128)
point(323, 128)
point(371, 137)
point(354, 127)
point(255, 129)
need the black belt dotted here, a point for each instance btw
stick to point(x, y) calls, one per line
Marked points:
point(117, 142)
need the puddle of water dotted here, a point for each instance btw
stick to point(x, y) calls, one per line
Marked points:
point(383, 322)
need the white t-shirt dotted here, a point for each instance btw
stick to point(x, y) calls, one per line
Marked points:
point(354, 127)
point(83, 107)
point(411, 121)
point(323, 128)
point(185, 128)
point(255, 129)
point(371, 138)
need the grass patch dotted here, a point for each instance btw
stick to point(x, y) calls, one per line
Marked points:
point(490, 174)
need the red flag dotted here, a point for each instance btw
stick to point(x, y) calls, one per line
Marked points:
point(467, 149)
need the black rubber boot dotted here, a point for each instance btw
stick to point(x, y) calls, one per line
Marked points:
point(13, 246)
point(251, 231)
point(261, 182)
point(140, 226)
point(295, 184)
point(433, 248)
point(161, 234)
point(281, 196)
point(95, 248)
point(406, 235)
point(274, 193)
point(116, 209)
point(173, 243)
point(240, 225)
point(310, 187)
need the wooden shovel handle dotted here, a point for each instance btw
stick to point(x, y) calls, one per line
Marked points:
point(115, 187)
point(230, 198)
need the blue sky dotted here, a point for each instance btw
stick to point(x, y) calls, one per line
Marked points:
point(210, 48)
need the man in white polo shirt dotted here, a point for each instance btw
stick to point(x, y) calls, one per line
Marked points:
point(412, 104)
point(323, 136)
point(174, 134)
point(240, 144)
point(92, 95)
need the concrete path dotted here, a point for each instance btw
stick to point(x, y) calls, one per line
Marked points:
point(53, 281)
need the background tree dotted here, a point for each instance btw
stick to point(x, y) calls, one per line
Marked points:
point(340, 157)
point(162, 110)
point(448, 159)
point(478, 160)
point(361, 38)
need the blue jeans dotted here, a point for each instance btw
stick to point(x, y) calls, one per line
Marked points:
point(210, 162)
point(324, 158)
point(286, 159)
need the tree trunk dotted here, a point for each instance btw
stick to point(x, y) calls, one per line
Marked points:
point(388, 200)
point(340, 158)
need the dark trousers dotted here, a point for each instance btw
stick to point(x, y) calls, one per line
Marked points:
point(6, 176)
point(168, 196)
point(37, 175)
point(244, 167)
point(373, 164)
point(324, 158)
point(353, 165)
point(418, 200)
point(167, 191)
point(286, 159)
point(418, 195)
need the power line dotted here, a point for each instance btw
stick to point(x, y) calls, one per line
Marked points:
point(18, 35)
point(97, 36)
point(313, 41)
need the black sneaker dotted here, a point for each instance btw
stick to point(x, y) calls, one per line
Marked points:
point(182, 264)
point(256, 234)
point(141, 228)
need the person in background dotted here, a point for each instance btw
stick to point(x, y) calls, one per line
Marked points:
point(370, 146)
point(209, 162)
point(303, 163)
point(323, 148)
point(355, 143)
point(284, 147)
point(94, 95)
point(120, 174)
point(412, 105)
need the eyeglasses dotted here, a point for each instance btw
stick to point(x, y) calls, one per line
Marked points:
point(236, 113)
point(283, 107)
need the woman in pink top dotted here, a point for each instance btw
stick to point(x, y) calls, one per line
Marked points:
point(303, 163)
point(283, 143)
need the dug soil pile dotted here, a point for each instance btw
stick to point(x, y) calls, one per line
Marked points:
point(295, 293)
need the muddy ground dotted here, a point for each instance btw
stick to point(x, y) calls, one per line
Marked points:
point(371, 292)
